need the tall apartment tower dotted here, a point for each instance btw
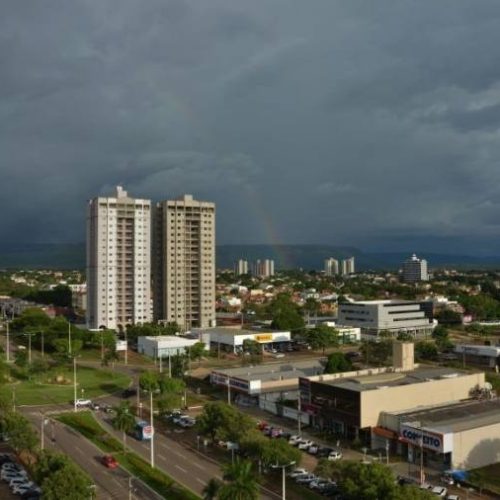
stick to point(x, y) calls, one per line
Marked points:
point(118, 261)
point(331, 267)
point(263, 268)
point(415, 270)
point(348, 266)
point(184, 262)
point(241, 267)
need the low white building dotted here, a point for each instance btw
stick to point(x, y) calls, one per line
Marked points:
point(163, 346)
point(488, 355)
point(232, 339)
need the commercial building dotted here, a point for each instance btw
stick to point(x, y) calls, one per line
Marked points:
point(118, 261)
point(232, 339)
point(348, 266)
point(393, 316)
point(263, 268)
point(164, 346)
point(241, 267)
point(184, 262)
point(331, 267)
point(351, 403)
point(460, 435)
point(415, 270)
point(487, 355)
point(346, 334)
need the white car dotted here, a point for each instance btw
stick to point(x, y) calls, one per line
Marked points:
point(313, 450)
point(20, 481)
point(19, 490)
point(294, 440)
point(335, 455)
point(439, 491)
point(187, 422)
point(7, 475)
point(305, 479)
point(297, 472)
point(452, 497)
point(83, 402)
point(305, 444)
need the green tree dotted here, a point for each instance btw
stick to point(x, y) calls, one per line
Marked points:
point(197, 351)
point(172, 393)
point(312, 306)
point(21, 358)
point(337, 362)
point(279, 452)
point(426, 351)
point(33, 318)
point(124, 421)
point(359, 481)
point(67, 482)
point(252, 347)
point(211, 489)
point(377, 353)
point(241, 482)
point(21, 433)
point(148, 381)
point(285, 314)
point(322, 336)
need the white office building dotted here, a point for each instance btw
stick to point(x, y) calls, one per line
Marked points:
point(415, 270)
point(348, 266)
point(118, 261)
point(241, 267)
point(331, 267)
point(393, 316)
point(184, 262)
point(264, 268)
point(164, 346)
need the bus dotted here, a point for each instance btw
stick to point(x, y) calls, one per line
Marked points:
point(143, 431)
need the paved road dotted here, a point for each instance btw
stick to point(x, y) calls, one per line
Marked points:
point(111, 484)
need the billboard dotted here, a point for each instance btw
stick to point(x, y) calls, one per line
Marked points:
point(430, 440)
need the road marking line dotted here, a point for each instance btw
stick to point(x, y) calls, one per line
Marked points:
point(199, 466)
point(200, 481)
point(161, 456)
point(117, 482)
point(180, 468)
point(180, 454)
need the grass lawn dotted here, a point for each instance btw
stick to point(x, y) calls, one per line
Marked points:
point(87, 425)
point(43, 389)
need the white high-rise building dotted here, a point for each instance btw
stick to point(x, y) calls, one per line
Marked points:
point(263, 268)
point(348, 266)
point(331, 267)
point(184, 262)
point(415, 270)
point(118, 261)
point(241, 267)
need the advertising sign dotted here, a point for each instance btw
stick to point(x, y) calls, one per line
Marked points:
point(121, 345)
point(263, 338)
point(435, 441)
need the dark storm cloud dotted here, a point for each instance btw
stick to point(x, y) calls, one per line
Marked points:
point(348, 122)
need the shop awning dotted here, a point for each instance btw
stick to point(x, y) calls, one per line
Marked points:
point(383, 432)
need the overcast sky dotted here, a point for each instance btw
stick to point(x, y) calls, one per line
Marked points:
point(371, 123)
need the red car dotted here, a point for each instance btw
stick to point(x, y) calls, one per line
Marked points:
point(109, 461)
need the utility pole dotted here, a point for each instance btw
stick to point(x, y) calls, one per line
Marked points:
point(130, 488)
point(69, 338)
point(29, 347)
point(7, 348)
point(299, 416)
point(161, 363)
point(126, 347)
point(74, 383)
point(13, 399)
point(283, 468)
point(228, 392)
point(42, 432)
point(169, 365)
point(102, 347)
point(152, 429)
point(422, 476)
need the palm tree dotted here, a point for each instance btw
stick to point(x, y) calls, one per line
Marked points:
point(211, 489)
point(124, 420)
point(241, 482)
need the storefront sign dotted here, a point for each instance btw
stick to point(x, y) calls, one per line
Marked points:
point(441, 443)
point(233, 382)
point(263, 338)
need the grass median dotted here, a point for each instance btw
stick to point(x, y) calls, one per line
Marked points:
point(87, 425)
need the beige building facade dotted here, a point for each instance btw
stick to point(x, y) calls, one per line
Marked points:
point(118, 261)
point(184, 262)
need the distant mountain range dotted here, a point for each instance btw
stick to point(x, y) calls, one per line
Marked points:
point(72, 256)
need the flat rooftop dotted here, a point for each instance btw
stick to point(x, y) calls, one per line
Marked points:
point(392, 302)
point(392, 379)
point(276, 371)
point(237, 331)
point(456, 417)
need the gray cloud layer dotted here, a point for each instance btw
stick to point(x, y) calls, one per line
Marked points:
point(334, 121)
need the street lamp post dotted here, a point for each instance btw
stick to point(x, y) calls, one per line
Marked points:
point(7, 347)
point(152, 428)
point(283, 469)
point(69, 338)
point(74, 383)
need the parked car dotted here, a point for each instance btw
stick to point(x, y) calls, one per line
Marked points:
point(447, 479)
point(109, 462)
point(452, 497)
point(294, 440)
point(335, 455)
point(106, 408)
point(262, 424)
point(95, 406)
point(83, 402)
point(297, 472)
point(439, 491)
point(313, 450)
point(305, 444)
point(176, 419)
point(314, 485)
point(187, 421)
point(324, 451)
point(305, 479)
point(22, 488)
point(276, 432)
point(285, 435)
